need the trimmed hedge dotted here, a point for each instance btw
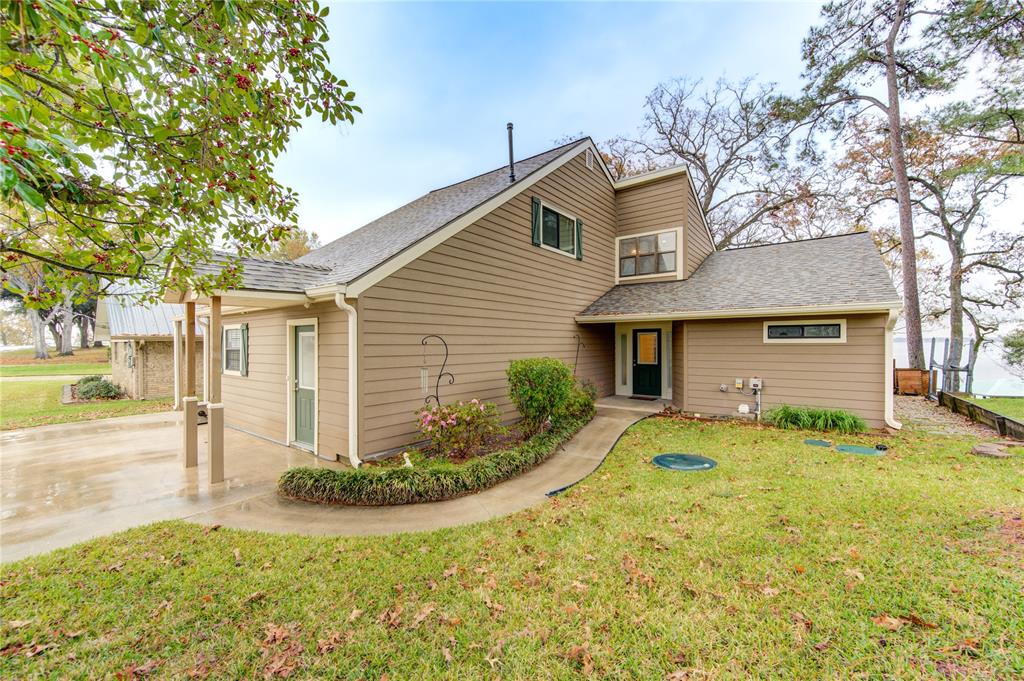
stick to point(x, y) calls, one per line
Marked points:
point(435, 481)
point(814, 418)
point(97, 388)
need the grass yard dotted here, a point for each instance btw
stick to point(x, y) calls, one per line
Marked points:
point(785, 561)
point(83, 362)
point(1007, 406)
point(24, 404)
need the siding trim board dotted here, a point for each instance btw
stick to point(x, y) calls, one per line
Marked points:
point(855, 308)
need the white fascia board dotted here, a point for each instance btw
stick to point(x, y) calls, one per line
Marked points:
point(748, 312)
point(653, 176)
point(400, 260)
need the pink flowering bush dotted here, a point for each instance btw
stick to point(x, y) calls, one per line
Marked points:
point(458, 430)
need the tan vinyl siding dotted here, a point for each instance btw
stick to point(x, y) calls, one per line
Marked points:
point(257, 403)
point(652, 206)
point(678, 364)
point(492, 296)
point(847, 375)
point(698, 244)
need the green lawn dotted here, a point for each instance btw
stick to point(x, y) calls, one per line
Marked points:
point(36, 403)
point(83, 362)
point(79, 368)
point(1007, 406)
point(786, 561)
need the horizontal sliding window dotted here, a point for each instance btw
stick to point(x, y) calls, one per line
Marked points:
point(648, 254)
point(830, 331)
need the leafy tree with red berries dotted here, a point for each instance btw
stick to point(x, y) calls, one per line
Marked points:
point(136, 137)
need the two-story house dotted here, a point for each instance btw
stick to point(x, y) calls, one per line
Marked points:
point(334, 352)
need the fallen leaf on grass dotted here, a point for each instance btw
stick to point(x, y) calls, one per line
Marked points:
point(918, 621)
point(275, 633)
point(450, 572)
point(114, 567)
point(334, 641)
point(238, 557)
point(392, 617)
point(447, 654)
point(581, 656)
point(210, 528)
point(423, 614)
point(38, 648)
point(18, 624)
point(888, 622)
point(634, 574)
point(283, 662)
point(133, 671)
point(253, 597)
point(354, 615)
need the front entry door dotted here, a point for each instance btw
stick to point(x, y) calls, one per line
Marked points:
point(647, 362)
point(304, 385)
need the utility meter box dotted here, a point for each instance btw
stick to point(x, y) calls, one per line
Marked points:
point(738, 383)
point(755, 383)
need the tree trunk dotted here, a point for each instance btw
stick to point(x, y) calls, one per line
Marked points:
point(908, 250)
point(58, 337)
point(38, 333)
point(951, 379)
point(83, 330)
point(67, 326)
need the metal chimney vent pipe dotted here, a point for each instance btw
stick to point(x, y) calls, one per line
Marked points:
point(511, 159)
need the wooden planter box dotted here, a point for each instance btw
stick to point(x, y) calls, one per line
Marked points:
point(1004, 425)
point(911, 381)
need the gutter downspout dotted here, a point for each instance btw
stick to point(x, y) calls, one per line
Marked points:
point(890, 419)
point(353, 383)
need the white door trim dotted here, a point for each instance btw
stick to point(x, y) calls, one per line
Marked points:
point(624, 369)
point(289, 365)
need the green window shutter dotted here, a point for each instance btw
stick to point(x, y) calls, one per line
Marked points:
point(579, 239)
point(223, 348)
point(243, 363)
point(536, 221)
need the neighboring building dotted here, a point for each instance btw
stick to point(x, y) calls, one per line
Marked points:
point(328, 352)
point(141, 345)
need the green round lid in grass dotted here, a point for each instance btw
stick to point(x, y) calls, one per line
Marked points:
point(684, 462)
point(857, 449)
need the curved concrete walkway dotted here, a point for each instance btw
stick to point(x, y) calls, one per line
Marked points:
point(578, 459)
point(67, 483)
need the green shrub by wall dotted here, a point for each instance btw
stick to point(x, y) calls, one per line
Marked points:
point(97, 388)
point(540, 388)
point(814, 418)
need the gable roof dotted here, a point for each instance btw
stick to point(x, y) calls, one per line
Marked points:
point(358, 252)
point(838, 272)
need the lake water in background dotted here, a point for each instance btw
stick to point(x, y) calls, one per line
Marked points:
point(990, 376)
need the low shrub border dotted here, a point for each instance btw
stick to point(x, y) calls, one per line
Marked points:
point(436, 481)
point(814, 418)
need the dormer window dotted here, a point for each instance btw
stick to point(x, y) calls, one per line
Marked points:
point(653, 254)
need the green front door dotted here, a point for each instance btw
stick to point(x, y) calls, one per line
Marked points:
point(304, 385)
point(647, 362)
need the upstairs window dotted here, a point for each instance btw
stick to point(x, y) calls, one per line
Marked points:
point(648, 254)
point(558, 231)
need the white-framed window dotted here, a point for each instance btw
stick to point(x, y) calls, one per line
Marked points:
point(806, 331)
point(558, 230)
point(651, 254)
point(233, 357)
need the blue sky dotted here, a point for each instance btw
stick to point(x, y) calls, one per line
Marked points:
point(438, 83)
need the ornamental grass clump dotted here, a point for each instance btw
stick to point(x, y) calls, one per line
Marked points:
point(459, 430)
point(814, 418)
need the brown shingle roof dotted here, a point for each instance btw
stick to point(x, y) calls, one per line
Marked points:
point(358, 252)
point(838, 270)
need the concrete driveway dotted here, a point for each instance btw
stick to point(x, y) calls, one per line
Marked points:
point(64, 484)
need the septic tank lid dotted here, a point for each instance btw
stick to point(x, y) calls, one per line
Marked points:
point(684, 462)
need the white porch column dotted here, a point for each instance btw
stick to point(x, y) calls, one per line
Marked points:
point(212, 389)
point(177, 364)
point(190, 424)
